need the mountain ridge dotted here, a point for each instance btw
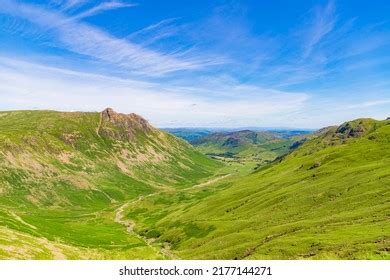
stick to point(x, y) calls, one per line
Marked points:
point(57, 169)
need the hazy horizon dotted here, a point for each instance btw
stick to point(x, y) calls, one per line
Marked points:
point(215, 128)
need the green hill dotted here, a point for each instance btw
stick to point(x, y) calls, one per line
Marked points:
point(110, 186)
point(189, 134)
point(328, 199)
point(64, 175)
point(244, 146)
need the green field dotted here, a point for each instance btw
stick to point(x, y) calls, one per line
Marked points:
point(110, 186)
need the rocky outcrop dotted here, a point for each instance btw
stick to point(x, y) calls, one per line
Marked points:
point(354, 129)
point(122, 126)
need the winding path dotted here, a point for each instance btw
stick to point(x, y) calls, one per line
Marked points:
point(120, 219)
point(210, 181)
point(164, 251)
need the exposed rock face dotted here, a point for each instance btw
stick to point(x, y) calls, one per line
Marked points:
point(352, 129)
point(122, 126)
point(108, 113)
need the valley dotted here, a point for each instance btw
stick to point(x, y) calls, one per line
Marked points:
point(242, 147)
point(110, 186)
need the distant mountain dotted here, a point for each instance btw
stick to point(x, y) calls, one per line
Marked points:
point(237, 138)
point(245, 145)
point(191, 135)
point(188, 134)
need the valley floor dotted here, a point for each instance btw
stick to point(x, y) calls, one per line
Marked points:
point(103, 234)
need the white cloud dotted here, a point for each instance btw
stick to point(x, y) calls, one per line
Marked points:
point(327, 45)
point(88, 40)
point(323, 23)
point(370, 103)
point(105, 6)
point(26, 85)
point(155, 32)
point(69, 4)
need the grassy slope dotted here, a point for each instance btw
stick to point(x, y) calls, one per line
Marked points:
point(62, 177)
point(329, 199)
point(244, 146)
point(62, 181)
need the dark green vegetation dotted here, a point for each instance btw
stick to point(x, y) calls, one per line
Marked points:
point(244, 146)
point(188, 134)
point(89, 185)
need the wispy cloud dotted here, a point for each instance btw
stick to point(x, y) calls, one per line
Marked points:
point(228, 30)
point(324, 46)
point(26, 85)
point(368, 63)
point(105, 6)
point(370, 103)
point(215, 69)
point(154, 26)
point(155, 32)
point(323, 23)
point(69, 4)
point(88, 40)
point(73, 3)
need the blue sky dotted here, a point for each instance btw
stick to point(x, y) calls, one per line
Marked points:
point(303, 64)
